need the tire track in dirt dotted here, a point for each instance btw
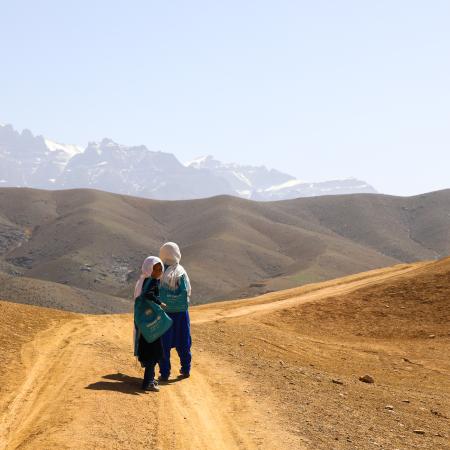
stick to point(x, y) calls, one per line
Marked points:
point(53, 408)
point(50, 363)
point(212, 410)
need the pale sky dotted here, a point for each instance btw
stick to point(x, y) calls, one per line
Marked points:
point(318, 89)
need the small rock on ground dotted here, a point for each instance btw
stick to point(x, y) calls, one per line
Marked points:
point(367, 379)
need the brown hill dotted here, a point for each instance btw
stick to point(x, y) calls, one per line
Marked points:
point(36, 292)
point(278, 371)
point(232, 247)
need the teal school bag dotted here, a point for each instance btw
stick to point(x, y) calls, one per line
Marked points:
point(150, 319)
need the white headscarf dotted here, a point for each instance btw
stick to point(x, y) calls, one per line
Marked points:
point(171, 255)
point(147, 269)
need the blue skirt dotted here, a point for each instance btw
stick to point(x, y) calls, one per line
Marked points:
point(179, 334)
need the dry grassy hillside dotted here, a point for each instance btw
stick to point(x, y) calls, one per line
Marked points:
point(232, 247)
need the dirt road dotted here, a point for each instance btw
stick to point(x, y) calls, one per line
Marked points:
point(80, 388)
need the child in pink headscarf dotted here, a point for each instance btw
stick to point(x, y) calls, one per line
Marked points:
point(147, 289)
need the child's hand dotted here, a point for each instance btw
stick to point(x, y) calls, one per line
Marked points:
point(163, 305)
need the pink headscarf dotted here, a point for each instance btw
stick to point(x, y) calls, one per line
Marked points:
point(147, 269)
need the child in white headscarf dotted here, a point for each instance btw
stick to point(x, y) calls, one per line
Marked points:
point(147, 289)
point(175, 292)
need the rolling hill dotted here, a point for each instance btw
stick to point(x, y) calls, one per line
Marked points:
point(232, 247)
point(36, 292)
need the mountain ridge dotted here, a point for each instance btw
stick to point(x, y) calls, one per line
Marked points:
point(35, 161)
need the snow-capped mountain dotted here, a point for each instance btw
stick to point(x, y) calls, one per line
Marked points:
point(138, 171)
point(244, 180)
point(260, 183)
point(34, 161)
point(296, 188)
point(27, 160)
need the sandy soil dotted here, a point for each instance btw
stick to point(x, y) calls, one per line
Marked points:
point(275, 372)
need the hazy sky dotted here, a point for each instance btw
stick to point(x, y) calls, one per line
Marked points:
point(319, 89)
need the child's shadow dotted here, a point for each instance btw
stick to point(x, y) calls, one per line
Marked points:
point(121, 383)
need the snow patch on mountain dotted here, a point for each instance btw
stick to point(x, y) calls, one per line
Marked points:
point(70, 150)
point(287, 185)
point(198, 163)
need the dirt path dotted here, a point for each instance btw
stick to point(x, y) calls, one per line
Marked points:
point(298, 296)
point(76, 395)
point(50, 365)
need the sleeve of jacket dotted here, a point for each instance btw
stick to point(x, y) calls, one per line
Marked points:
point(151, 292)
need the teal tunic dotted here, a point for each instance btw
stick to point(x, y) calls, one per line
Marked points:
point(176, 300)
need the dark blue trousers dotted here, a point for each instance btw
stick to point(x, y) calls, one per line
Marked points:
point(179, 337)
point(149, 374)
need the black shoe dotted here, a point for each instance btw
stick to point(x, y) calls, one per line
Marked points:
point(150, 387)
point(163, 380)
point(184, 374)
